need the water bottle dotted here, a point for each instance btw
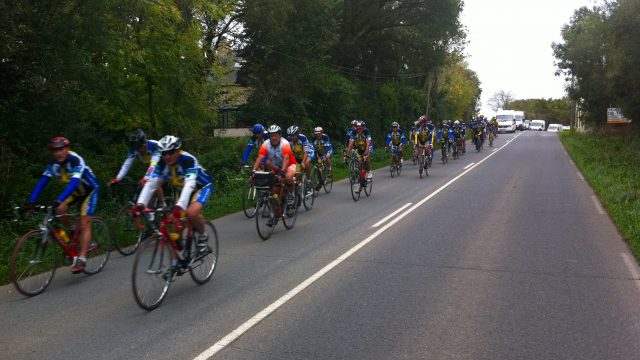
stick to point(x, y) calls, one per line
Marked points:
point(62, 235)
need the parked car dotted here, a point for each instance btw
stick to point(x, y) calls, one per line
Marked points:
point(537, 125)
point(554, 127)
point(527, 124)
point(566, 128)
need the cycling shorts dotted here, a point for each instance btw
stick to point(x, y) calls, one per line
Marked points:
point(88, 202)
point(202, 195)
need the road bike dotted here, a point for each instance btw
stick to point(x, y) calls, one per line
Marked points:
point(491, 137)
point(424, 159)
point(321, 176)
point(171, 251)
point(249, 197)
point(445, 151)
point(358, 177)
point(34, 259)
point(272, 205)
point(457, 148)
point(478, 141)
point(396, 165)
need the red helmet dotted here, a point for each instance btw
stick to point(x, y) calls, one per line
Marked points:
point(59, 142)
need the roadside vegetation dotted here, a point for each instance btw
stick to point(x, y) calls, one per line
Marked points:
point(611, 165)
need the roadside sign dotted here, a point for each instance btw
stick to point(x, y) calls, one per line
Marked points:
point(615, 116)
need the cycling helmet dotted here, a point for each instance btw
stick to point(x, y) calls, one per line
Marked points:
point(257, 129)
point(59, 142)
point(293, 130)
point(137, 139)
point(168, 143)
point(395, 124)
point(274, 129)
point(456, 123)
point(354, 122)
point(318, 130)
point(416, 123)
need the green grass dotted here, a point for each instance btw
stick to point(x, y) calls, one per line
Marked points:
point(611, 165)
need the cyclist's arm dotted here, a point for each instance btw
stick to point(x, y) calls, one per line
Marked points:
point(126, 166)
point(77, 169)
point(388, 140)
point(42, 183)
point(262, 154)
point(247, 152)
point(188, 189)
point(151, 185)
point(155, 159)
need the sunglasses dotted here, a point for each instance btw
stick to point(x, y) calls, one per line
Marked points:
point(169, 152)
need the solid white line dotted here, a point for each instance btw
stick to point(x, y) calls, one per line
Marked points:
point(596, 202)
point(494, 150)
point(633, 268)
point(390, 216)
point(468, 166)
point(235, 334)
point(580, 175)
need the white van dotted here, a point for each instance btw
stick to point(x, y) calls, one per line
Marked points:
point(506, 120)
point(537, 125)
point(519, 118)
point(554, 127)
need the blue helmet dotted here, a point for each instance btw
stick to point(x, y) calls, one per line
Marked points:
point(257, 129)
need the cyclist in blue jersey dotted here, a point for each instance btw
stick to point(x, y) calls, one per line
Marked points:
point(139, 148)
point(322, 145)
point(258, 136)
point(361, 142)
point(396, 138)
point(301, 148)
point(82, 188)
point(181, 170)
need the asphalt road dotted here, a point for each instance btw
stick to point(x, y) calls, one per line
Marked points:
point(509, 258)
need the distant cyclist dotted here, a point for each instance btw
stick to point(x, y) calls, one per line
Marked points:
point(258, 136)
point(396, 138)
point(139, 148)
point(302, 149)
point(322, 145)
point(82, 188)
point(361, 142)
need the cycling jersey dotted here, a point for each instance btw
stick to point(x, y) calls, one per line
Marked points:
point(360, 141)
point(186, 173)
point(457, 133)
point(423, 135)
point(300, 147)
point(82, 183)
point(151, 157)
point(254, 142)
point(396, 138)
point(447, 136)
point(323, 145)
point(276, 154)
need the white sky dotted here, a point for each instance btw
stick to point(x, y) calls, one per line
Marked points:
point(510, 45)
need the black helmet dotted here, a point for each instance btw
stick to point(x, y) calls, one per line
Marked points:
point(137, 139)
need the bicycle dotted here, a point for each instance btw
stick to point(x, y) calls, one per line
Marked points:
point(445, 151)
point(127, 235)
point(396, 166)
point(491, 137)
point(34, 259)
point(249, 198)
point(272, 206)
point(321, 176)
point(478, 141)
point(424, 159)
point(358, 177)
point(306, 185)
point(457, 148)
point(173, 240)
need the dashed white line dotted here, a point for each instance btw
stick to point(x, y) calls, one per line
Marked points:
point(390, 216)
point(596, 202)
point(257, 318)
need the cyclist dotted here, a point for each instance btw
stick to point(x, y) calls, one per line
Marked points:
point(361, 141)
point(258, 135)
point(322, 145)
point(445, 136)
point(181, 170)
point(280, 158)
point(82, 188)
point(458, 134)
point(424, 136)
point(396, 138)
point(143, 149)
point(302, 149)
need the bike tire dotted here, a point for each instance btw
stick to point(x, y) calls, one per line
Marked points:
point(33, 263)
point(264, 214)
point(127, 236)
point(354, 180)
point(249, 201)
point(368, 187)
point(308, 194)
point(204, 264)
point(315, 182)
point(99, 247)
point(150, 277)
point(290, 213)
point(328, 181)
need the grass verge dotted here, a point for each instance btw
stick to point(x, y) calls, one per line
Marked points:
point(611, 165)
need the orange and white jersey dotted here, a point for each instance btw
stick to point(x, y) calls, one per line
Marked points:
point(276, 154)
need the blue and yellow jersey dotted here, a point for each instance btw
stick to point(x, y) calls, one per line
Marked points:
point(322, 145)
point(74, 172)
point(300, 147)
point(152, 157)
point(396, 138)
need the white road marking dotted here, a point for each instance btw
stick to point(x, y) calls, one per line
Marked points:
point(468, 166)
point(596, 202)
point(390, 216)
point(633, 268)
point(257, 318)
point(494, 150)
point(580, 175)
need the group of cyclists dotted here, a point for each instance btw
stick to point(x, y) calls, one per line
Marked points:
point(284, 156)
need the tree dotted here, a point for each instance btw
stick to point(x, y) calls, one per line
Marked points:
point(501, 100)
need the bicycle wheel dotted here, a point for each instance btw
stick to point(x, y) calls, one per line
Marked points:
point(127, 236)
point(421, 167)
point(151, 276)
point(264, 216)
point(354, 181)
point(316, 182)
point(204, 263)
point(249, 200)
point(291, 210)
point(392, 166)
point(368, 186)
point(33, 263)
point(399, 164)
point(99, 247)
point(328, 180)
point(308, 191)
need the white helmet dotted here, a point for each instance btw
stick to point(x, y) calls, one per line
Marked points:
point(318, 130)
point(293, 130)
point(274, 129)
point(395, 124)
point(169, 142)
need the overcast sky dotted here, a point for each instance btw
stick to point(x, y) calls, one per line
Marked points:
point(510, 45)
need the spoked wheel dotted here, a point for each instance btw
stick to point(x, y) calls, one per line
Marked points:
point(328, 180)
point(33, 263)
point(354, 181)
point(392, 167)
point(316, 182)
point(368, 186)
point(265, 218)
point(99, 247)
point(421, 168)
point(399, 164)
point(127, 236)
point(151, 274)
point(249, 200)
point(308, 192)
point(204, 263)
point(291, 210)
